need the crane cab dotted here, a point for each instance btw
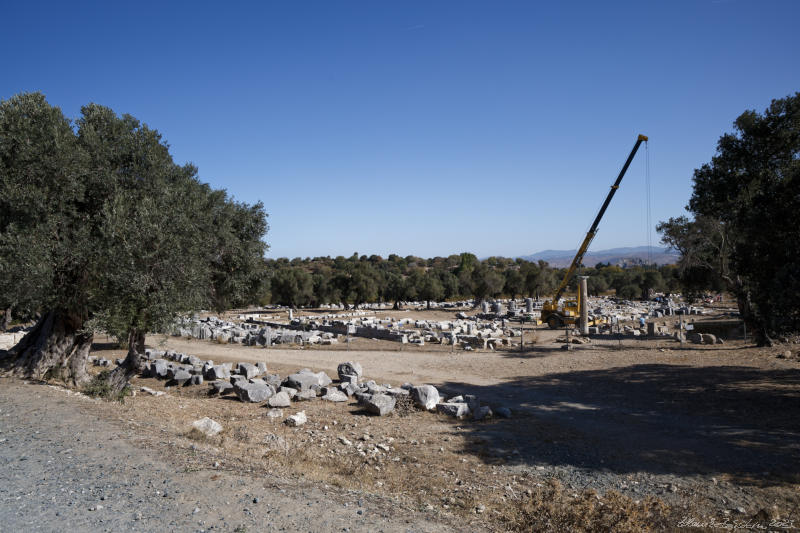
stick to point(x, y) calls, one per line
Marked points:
point(557, 316)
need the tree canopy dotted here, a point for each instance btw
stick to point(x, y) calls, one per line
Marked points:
point(100, 228)
point(310, 282)
point(745, 219)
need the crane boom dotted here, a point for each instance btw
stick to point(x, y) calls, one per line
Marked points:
point(593, 230)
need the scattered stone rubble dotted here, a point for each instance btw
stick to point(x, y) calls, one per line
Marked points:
point(487, 330)
point(249, 333)
point(253, 384)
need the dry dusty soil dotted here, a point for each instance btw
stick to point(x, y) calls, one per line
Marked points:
point(669, 437)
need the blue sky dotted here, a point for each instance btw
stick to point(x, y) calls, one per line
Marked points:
point(424, 128)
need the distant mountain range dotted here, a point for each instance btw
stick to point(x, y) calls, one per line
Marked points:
point(616, 256)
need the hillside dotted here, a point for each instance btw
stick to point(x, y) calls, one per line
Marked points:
point(628, 255)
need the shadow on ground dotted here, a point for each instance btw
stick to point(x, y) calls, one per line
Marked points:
point(656, 418)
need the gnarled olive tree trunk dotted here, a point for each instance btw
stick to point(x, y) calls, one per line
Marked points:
point(5, 319)
point(56, 347)
point(753, 321)
point(132, 365)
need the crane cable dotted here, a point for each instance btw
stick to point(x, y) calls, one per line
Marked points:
point(649, 212)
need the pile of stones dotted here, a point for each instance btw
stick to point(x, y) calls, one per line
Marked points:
point(249, 334)
point(252, 383)
point(467, 332)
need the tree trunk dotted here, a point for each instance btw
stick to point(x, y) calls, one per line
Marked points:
point(754, 323)
point(5, 322)
point(132, 365)
point(396, 305)
point(55, 347)
point(428, 305)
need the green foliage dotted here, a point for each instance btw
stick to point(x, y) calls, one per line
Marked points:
point(99, 387)
point(292, 286)
point(397, 279)
point(97, 219)
point(629, 291)
point(43, 189)
point(430, 287)
point(746, 218)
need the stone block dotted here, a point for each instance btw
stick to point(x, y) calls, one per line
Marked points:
point(425, 396)
point(348, 369)
point(253, 392)
point(454, 409)
point(280, 399)
point(380, 404)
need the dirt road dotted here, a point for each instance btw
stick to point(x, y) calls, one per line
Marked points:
point(64, 468)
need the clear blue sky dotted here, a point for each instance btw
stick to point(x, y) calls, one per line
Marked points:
point(424, 128)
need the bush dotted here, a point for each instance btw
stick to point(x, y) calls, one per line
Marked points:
point(99, 387)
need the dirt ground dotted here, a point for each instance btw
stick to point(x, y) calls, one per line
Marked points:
point(663, 436)
point(72, 463)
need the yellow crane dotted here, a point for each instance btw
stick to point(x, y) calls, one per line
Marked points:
point(553, 314)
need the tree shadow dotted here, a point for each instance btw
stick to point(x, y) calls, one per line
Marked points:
point(656, 418)
point(629, 344)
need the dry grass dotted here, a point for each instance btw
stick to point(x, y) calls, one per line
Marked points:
point(551, 508)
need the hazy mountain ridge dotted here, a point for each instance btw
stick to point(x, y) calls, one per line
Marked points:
point(615, 256)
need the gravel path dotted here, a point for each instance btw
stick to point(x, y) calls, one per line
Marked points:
point(66, 469)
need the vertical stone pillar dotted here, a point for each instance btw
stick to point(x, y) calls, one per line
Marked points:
point(584, 301)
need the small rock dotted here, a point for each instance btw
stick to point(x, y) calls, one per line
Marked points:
point(218, 372)
point(349, 368)
point(455, 409)
point(301, 381)
point(503, 412)
point(248, 370)
point(482, 412)
point(222, 387)
point(335, 396)
point(253, 392)
point(288, 390)
point(380, 404)
point(308, 394)
point(275, 413)
point(425, 396)
point(280, 399)
point(297, 419)
point(207, 426)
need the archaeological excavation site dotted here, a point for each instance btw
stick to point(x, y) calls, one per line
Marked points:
point(402, 267)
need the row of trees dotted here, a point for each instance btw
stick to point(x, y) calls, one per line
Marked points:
point(743, 228)
point(360, 279)
point(100, 229)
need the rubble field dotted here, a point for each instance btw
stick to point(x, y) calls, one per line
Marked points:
point(637, 430)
